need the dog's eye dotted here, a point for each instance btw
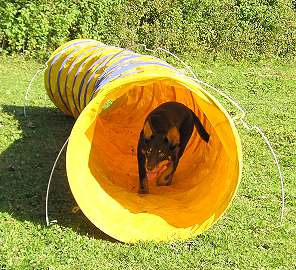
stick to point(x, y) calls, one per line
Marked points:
point(149, 150)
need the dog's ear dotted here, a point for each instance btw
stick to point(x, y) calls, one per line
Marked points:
point(147, 130)
point(173, 136)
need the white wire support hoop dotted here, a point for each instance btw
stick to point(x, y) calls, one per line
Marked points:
point(240, 117)
point(49, 183)
point(26, 96)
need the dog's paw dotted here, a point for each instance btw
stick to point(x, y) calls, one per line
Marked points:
point(143, 191)
point(165, 181)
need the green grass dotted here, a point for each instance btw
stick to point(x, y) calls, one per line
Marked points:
point(248, 236)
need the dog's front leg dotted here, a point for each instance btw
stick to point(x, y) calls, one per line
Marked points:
point(143, 183)
point(143, 189)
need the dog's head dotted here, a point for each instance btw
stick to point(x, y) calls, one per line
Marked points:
point(160, 150)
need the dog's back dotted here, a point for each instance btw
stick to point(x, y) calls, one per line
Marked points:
point(167, 115)
point(176, 114)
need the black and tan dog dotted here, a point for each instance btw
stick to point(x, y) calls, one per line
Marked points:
point(167, 130)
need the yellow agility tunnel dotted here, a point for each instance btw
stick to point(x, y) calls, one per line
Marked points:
point(111, 91)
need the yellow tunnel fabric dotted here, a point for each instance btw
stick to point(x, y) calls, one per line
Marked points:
point(111, 91)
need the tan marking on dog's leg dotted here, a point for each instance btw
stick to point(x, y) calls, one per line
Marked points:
point(163, 163)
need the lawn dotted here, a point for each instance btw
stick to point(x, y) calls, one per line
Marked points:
point(249, 235)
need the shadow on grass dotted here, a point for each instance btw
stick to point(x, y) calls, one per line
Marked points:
point(25, 167)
